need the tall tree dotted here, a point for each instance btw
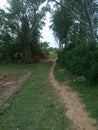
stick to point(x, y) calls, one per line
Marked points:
point(81, 11)
point(27, 17)
point(62, 21)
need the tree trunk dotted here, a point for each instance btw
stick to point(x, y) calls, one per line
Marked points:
point(27, 51)
point(90, 22)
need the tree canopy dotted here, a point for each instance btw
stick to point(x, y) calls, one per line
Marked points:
point(75, 24)
point(20, 27)
point(83, 14)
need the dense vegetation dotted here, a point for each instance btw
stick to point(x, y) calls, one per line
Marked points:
point(75, 26)
point(20, 28)
point(82, 60)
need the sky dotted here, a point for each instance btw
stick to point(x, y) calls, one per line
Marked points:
point(46, 33)
point(3, 3)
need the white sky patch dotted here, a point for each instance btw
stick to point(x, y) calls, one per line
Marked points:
point(47, 33)
point(3, 4)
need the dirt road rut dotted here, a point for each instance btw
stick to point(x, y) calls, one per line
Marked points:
point(75, 108)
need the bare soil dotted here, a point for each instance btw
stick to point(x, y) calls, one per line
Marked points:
point(76, 111)
point(10, 84)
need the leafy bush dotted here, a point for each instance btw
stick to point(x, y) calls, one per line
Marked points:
point(82, 60)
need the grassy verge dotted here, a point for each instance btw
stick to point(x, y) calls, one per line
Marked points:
point(52, 54)
point(35, 107)
point(88, 93)
point(7, 68)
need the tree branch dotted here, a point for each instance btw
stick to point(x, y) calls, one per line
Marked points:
point(67, 5)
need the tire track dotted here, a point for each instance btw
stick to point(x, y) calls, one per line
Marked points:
point(75, 109)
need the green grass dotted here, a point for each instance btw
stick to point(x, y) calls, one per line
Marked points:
point(52, 54)
point(36, 106)
point(88, 93)
point(7, 68)
point(62, 74)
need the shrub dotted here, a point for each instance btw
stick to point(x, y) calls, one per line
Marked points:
point(82, 60)
point(93, 74)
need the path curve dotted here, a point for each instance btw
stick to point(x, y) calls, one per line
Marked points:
point(75, 109)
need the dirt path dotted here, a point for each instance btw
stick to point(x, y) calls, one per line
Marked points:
point(10, 84)
point(75, 109)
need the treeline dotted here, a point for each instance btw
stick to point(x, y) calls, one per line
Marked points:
point(20, 28)
point(75, 26)
point(82, 61)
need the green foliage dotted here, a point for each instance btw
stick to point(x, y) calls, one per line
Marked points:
point(20, 29)
point(82, 60)
point(84, 14)
point(62, 21)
